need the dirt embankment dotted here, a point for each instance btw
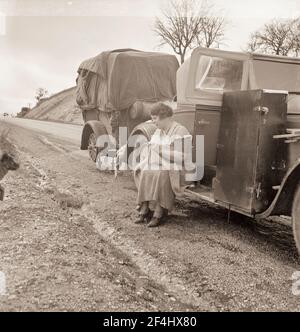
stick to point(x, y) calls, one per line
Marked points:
point(59, 107)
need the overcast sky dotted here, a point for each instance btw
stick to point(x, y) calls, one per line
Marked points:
point(42, 42)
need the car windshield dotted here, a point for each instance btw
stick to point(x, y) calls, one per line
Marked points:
point(277, 75)
point(215, 74)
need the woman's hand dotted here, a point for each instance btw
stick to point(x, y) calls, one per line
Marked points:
point(121, 155)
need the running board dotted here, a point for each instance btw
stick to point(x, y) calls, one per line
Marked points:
point(205, 195)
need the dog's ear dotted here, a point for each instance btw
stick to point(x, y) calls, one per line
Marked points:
point(5, 157)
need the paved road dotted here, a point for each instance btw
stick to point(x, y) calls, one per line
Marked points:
point(69, 132)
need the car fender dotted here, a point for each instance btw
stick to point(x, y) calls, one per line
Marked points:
point(283, 201)
point(91, 126)
point(145, 128)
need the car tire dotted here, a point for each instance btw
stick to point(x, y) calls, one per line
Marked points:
point(296, 218)
point(92, 147)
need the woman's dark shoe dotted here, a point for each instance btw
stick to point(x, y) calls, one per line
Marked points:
point(155, 222)
point(148, 216)
point(144, 217)
point(140, 219)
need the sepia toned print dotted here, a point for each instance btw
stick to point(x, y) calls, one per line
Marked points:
point(149, 158)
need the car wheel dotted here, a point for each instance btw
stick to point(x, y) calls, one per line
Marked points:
point(92, 146)
point(296, 218)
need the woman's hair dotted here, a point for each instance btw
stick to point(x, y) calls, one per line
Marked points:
point(162, 110)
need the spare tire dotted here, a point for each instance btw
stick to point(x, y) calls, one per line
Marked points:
point(296, 217)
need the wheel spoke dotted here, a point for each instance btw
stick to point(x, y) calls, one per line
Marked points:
point(92, 147)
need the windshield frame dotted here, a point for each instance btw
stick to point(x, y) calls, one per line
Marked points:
point(207, 97)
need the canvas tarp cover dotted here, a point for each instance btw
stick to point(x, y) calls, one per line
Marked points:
point(115, 80)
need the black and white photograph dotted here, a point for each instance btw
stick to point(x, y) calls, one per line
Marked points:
point(149, 158)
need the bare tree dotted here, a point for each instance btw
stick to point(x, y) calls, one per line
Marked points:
point(277, 37)
point(185, 24)
point(296, 36)
point(40, 93)
point(212, 31)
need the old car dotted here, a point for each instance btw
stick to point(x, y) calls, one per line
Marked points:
point(117, 88)
point(247, 107)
